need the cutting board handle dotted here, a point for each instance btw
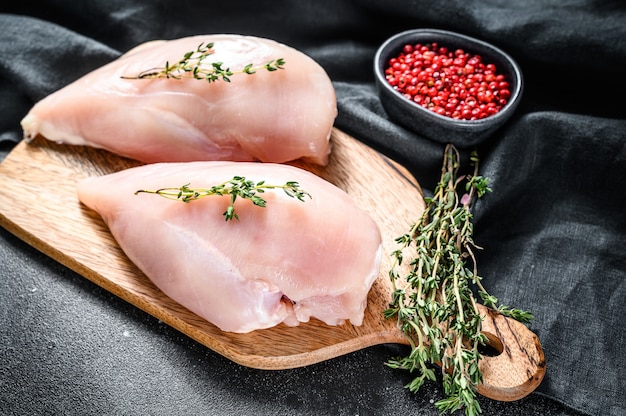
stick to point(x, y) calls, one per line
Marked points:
point(518, 364)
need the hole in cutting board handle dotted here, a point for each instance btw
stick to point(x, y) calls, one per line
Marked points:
point(494, 346)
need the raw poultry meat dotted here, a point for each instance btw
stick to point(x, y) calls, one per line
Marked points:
point(270, 116)
point(286, 262)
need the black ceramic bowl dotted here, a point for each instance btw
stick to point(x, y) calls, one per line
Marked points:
point(441, 128)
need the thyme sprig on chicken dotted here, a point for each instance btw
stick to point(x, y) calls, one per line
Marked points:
point(194, 64)
point(434, 303)
point(237, 187)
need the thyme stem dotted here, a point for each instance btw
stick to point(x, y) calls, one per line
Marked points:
point(237, 187)
point(194, 64)
point(434, 304)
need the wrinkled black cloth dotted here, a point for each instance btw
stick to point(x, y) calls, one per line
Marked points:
point(553, 230)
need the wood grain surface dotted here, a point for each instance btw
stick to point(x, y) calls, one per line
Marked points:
point(38, 203)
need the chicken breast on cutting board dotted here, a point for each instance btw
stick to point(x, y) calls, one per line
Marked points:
point(269, 116)
point(283, 263)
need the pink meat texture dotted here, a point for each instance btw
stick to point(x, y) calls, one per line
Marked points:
point(283, 263)
point(275, 116)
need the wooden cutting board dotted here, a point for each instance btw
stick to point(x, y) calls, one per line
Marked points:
point(38, 203)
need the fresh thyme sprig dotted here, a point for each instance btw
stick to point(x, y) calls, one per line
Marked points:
point(434, 303)
point(193, 65)
point(237, 187)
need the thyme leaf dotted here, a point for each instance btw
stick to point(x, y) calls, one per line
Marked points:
point(237, 187)
point(194, 64)
point(434, 303)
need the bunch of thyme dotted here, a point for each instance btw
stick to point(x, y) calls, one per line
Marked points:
point(435, 307)
point(193, 65)
point(237, 187)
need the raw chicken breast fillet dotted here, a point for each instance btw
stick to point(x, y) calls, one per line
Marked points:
point(275, 116)
point(286, 262)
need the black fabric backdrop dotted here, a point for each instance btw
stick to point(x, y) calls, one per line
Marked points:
point(553, 230)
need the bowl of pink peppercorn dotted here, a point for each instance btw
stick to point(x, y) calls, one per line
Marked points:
point(446, 86)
